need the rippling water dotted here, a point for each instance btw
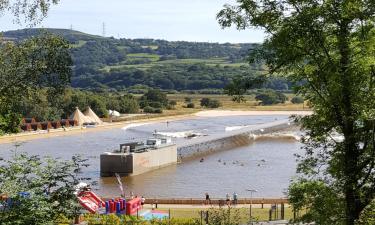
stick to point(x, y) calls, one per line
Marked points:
point(243, 167)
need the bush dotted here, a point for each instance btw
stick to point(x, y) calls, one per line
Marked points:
point(210, 103)
point(297, 100)
point(190, 105)
point(205, 102)
point(271, 97)
point(158, 110)
point(154, 96)
point(148, 109)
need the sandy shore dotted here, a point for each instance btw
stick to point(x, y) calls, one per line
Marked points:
point(216, 113)
point(21, 137)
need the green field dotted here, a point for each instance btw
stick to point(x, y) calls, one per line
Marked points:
point(154, 60)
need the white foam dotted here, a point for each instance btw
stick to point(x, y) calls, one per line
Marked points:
point(134, 125)
point(181, 134)
point(233, 128)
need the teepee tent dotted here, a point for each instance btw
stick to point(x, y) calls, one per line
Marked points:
point(94, 118)
point(81, 119)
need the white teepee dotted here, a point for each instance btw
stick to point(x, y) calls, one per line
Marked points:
point(81, 119)
point(94, 118)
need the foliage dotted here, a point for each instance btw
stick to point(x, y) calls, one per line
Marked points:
point(190, 105)
point(49, 184)
point(239, 86)
point(42, 62)
point(108, 63)
point(210, 103)
point(224, 216)
point(31, 12)
point(154, 98)
point(131, 220)
point(149, 109)
point(297, 100)
point(328, 47)
point(271, 97)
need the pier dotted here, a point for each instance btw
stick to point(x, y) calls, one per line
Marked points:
point(205, 145)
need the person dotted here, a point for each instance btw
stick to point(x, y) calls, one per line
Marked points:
point(208, 200)
point(143, 200)
point(131, 195)
point(228, 199)
point(235, 198)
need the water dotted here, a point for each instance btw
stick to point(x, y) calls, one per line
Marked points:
point(244, 166)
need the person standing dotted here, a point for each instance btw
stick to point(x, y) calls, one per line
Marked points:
point(228, 199)
point(235, 198)
point(208, 200)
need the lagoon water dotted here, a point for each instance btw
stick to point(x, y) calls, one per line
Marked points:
point(265, 165)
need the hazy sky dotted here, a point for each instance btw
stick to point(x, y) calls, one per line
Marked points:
point(190, 20)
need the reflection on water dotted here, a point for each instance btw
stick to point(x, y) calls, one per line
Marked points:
point(265, 165)
point(243, 167)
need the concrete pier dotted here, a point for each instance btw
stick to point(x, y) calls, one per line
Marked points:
point(210, 144)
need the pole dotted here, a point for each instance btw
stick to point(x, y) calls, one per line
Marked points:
point(251, 205)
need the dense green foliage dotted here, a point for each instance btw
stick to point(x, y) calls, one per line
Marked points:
point(27, 66)
point(108, 63)
point(48, 184)
point(297, 100)
point(270, 97)
point(327, 46)
point(38, 106)
point(210, 103)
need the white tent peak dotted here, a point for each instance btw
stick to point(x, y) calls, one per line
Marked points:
point(92, 116)
point(80, 117)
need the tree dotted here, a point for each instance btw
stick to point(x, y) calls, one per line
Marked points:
point(154, 97)
point(328, 46)
point(270, 97)
point(41, 188)
point(31, 12)
point(26, 67)
point(297, 100)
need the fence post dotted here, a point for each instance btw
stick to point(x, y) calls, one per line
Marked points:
point(282, 211)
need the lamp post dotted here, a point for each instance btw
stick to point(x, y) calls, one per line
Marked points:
point(251, 202)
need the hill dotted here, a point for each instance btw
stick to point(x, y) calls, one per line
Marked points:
point(131, 64)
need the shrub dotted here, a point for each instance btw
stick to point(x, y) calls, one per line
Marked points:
point(271, 97)
point(148, 109)
point(210, 103)
point(190, 105)
point(205, 102)
point(297, 100)
point(158, 110)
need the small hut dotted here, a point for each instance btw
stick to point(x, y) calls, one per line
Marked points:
point(56, 124)
point(94, 118)
point(80, 118)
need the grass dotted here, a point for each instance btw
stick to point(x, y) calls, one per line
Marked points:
point(228, 104)
point(154, 61)
point(80, 44)
point(258, 214)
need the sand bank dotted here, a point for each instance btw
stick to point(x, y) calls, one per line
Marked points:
point(216, 113)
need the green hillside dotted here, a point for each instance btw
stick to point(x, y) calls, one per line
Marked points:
point(125, 64)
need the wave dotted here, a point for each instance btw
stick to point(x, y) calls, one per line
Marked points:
point(133, 125)
point(233, 128)
point(292, 136)
point(181, 134)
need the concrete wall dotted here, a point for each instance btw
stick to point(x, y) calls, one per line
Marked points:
point(154, 159)
point(214, 143)
point(137, 163)
point(116, 163)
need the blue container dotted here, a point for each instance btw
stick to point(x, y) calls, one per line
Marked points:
point(107, 207)
point(118, 208)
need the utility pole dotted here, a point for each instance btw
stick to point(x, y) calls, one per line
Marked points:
point(103, 30)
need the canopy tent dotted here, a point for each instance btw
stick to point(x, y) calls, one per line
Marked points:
point(92, 116)
point(114, 113)
point(81, 119)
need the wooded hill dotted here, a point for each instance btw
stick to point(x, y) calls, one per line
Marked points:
point(134, 64)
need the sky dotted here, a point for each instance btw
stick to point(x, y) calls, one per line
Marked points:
point(173, 20)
